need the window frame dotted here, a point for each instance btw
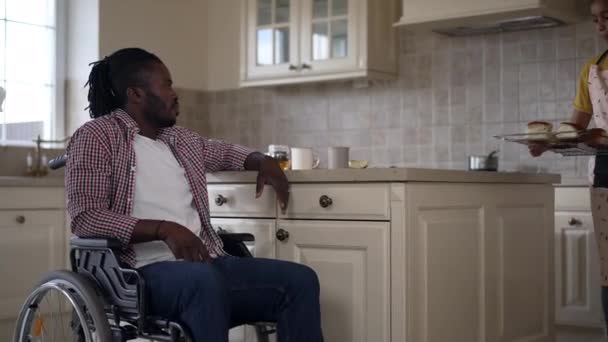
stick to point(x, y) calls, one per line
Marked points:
point(58, 115)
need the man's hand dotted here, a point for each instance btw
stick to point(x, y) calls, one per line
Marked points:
point(537, 149)
point(269, 172)
point(183, 243)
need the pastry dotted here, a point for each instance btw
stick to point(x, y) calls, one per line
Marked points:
point(568, 130)
point(539, 130)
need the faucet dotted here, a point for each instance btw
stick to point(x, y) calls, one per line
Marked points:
point(2, 97)
point(38, 167)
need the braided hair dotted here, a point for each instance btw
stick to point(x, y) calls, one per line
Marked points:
point(112, 76)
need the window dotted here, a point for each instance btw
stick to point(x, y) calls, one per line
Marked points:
point(29, 70)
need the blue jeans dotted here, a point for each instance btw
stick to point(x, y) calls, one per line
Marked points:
point(211, 298)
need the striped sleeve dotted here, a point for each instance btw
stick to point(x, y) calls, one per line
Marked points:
point(223, 156)
point(88, 179)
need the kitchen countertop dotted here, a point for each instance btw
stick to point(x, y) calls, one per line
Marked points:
point(49, 181)
point(393, 175)
point(342, 176)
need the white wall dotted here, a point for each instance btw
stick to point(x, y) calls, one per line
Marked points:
point(82, 49)
point(224, 20)
point(175, 30)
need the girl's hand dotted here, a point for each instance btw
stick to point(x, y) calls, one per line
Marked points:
point(537, 149)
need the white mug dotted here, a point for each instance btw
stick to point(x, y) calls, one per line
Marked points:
point(337, 157)
point(303, 158)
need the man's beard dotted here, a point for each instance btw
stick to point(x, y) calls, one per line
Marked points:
point(154, 110)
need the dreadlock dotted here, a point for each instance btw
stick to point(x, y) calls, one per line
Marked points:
point(112, 76)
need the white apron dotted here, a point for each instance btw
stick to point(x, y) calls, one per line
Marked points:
point(598, 93)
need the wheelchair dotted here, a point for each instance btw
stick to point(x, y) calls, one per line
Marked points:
point(100, 300)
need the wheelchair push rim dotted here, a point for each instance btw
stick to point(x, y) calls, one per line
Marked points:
point(34, 320)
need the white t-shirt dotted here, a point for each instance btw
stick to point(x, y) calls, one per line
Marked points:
point(162, 192)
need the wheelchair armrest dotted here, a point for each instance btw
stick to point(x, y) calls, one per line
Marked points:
point(234, 243)
point(241, 237)
point(95, 243)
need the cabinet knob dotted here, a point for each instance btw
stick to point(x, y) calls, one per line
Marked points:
point(574, 222)
point(220, 200)
point(20, 219)
point(282, 235)
point(293, 67)
point(325, 201)
point(306, 66)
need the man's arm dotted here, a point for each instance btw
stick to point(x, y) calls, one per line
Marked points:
point(222, 156)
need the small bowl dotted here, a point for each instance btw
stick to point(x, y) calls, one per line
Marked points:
point(357, 164)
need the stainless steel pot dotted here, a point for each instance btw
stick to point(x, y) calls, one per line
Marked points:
point(484, 163)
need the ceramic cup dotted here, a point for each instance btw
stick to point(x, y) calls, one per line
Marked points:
point(337, 157)
point(303, 158)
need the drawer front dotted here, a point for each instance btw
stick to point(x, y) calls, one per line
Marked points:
point(572, 199)
point(339, 202)
point(238, 200)
point(32, 198)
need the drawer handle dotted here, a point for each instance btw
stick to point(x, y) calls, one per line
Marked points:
point(282, 235)
point(574, 222)
point(20, 219)
point(220, 200)
point(325, 201)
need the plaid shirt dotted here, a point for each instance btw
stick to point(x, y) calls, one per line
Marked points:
point(100, 177)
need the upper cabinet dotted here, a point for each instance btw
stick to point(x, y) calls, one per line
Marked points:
point(295, 41)
point(481, 16)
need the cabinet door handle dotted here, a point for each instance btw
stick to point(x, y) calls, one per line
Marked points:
point(20, 219)
point(574, 222)
point(325, 201)
point(306, 66)
point(282, 235)
point(220, 200)
point(293, 67)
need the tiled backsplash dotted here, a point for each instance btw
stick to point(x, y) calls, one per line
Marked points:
point(452, 96)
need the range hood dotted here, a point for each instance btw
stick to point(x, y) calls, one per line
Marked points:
point(508, 25)
point(472, 17)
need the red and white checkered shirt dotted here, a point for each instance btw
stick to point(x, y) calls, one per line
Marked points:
point(100, 177)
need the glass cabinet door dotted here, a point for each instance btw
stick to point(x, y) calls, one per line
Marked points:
point(328, 34)
point(272, 37)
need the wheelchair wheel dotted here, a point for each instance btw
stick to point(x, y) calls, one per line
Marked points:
point(64, 306)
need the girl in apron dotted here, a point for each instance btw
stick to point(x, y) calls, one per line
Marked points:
point(592, 103)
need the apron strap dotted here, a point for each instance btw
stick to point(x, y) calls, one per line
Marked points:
point(599, 60)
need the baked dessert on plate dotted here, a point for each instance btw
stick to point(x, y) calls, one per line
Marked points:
point(568, 131)
point(539, 130)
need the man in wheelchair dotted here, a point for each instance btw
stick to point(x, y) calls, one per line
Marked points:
point(134, 176)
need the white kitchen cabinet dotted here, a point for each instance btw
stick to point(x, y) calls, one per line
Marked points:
point(577, 270)
point(295, 41)
point(32, 225)
point(419, 255)
point(577, 287)
point(478, 259)
point(351, 260)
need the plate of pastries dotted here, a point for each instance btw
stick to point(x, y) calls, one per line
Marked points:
point(567, 139)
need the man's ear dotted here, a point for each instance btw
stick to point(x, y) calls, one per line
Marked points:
point(135, 95)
